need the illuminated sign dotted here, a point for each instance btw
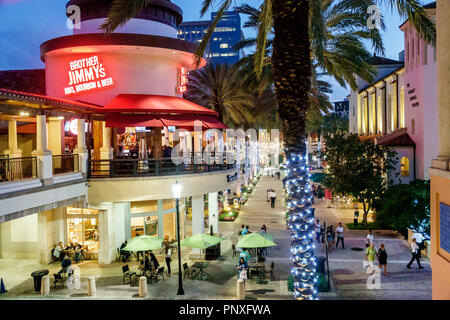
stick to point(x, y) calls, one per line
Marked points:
point(87, 74)
point(72, 126)
point(182, 80)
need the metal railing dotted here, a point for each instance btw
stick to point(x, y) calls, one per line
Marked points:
point(12, 169)
point(155, 167)
point(65, 163)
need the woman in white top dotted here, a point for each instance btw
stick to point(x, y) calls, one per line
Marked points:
point(369, 238)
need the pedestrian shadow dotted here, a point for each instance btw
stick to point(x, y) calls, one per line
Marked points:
point(78, 295)
point(260, 291)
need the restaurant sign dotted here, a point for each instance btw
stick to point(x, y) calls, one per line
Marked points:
point(87, 74)
point(182, 80)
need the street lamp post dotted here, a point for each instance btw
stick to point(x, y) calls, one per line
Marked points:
point(176, 194)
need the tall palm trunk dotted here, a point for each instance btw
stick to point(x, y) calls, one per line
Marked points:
point(292, 72)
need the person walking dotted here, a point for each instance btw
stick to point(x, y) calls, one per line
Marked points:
point(273, 196)
point(382, 259)
point(168, 258)
point(369, 238)
point(318, 230)
point(278, 174)
point(370, 257)
point(340, 235)
point(415, 255)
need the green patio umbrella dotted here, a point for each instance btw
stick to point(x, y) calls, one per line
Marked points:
point(201, 241)
point(143, 243)
point(267, 236)
point(255, 240)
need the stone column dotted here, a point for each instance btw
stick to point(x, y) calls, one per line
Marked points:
point(122, 221)
point(81, 149)
point(198, 147)
point(198, 217)
point(13, 151)
point(106, 151)
point(106, 250)
point(56, 135)
point(43, 155)
point(44, 251)
point(213, 212)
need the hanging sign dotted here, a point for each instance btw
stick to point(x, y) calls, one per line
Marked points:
point(182, 80)
point(87, 74)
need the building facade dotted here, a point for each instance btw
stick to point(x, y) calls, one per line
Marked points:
point(420, 93)
point(226, 35)
point(131, 84)
point(377, 111)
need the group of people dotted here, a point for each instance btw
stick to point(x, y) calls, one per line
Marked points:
point(329, 236)
point(149, 261)
point(417, 245)
point(244, 256)
point(59, 253)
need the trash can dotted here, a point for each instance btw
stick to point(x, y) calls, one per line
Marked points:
point(320, 264)
point(37, 275)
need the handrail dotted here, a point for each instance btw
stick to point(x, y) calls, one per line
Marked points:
point(65, 163)
point(12, 169)
point(151, 167)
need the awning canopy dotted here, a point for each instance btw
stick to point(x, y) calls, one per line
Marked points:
point(154, 104)
point(183, 121)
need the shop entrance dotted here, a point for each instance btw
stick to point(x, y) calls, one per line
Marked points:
point(147, 225)
point(82, 228)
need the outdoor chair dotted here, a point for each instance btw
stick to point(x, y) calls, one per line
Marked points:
point(59, 279)
point(256, 275)
point(160, 273)
point(188, 272)
point(272, 274)
point(127, 274)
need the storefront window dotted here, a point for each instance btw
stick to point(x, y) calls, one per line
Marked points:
point(82, 227)
point(144, 225)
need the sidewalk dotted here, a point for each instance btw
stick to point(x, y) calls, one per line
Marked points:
point(221, 283)
point(349, 279)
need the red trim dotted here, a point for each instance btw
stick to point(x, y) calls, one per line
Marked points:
point(154, 104)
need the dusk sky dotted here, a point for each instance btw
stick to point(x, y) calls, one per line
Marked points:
point(25, 24)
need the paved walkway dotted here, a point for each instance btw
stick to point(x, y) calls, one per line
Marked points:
point(348, 278)
point(221, 283)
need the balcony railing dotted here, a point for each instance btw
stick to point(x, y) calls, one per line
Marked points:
point(65, 163)
point(12, 169)
point(154, 167)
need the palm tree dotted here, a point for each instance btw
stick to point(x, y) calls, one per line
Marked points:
point(218, 87)
point(291, 69)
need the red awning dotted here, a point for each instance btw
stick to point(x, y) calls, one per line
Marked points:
point(212, 122)
point(184, 121)
point(155, 104)
point(132, 120)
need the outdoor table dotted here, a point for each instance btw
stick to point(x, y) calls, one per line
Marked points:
point(201, 274)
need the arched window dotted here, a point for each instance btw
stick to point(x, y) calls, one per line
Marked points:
point(404, 163)
point(413, 126)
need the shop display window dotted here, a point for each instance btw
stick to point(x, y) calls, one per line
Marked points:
point(82, 227)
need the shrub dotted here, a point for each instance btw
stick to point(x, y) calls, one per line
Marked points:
point(322, 283)
point(290, 283)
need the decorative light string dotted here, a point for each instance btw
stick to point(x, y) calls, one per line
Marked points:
point(301, 223)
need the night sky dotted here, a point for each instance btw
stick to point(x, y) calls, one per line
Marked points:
point(25, 24)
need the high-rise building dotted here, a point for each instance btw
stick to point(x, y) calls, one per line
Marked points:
point(226, 35)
